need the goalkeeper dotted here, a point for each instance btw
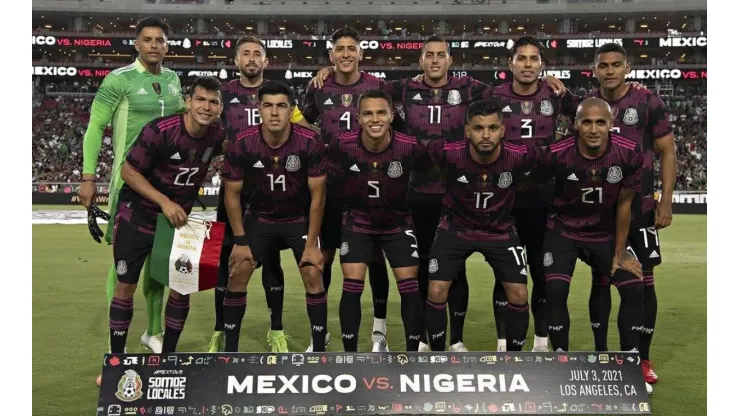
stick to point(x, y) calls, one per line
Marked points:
point(129, 98)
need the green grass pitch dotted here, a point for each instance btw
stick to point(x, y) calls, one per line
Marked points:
point(70, 323)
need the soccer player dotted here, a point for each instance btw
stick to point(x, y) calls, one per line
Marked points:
point(129, 98)
point(162, 173)
point(640, 116)
point(336, 105)
point(376, 162)
point(481, 177)
point(284, 167)
point(531, 115)
point(597, 174)
point(241, 110)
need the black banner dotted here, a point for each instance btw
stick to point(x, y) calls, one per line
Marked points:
point(355, 383)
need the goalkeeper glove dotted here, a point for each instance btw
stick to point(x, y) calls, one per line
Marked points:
point(92, 221)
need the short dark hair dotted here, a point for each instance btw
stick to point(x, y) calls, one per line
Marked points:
point(275, 88)
point(432, 39)
point(345, 32)
point(610, 47)
point(482, 108)
point(250, 39)
point(207, 83)
point(376, 94)
point(152, 22)
point(525, 41)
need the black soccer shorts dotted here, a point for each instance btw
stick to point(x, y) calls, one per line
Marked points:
point(561, 253)
point(643, 238)
point(449, 253)
point(331, 226)
point(426, 211)
point(400, 248)
point(531, 225)
point(262, 237)
point(132, 244)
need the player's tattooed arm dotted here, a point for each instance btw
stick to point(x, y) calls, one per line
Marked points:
point(171, 210)
point(624, 215)
point(668, 170)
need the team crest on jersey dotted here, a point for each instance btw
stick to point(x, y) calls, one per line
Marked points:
point(614, 175)
point(527, 107)
point(436, 96)
point(375, 167)
point(275, 162)
point(191, 154)
point(615, 113)
point(454, 98)
point(593, 175)
point(121, 268)
point(129, 387)
point(547, 261)
point(433, 266)
point(504, 181)
point(293, 163)
point(484, 180)
point(207, 155)
point(346, 100)
point(253, 99)
point(630, 117)
point(157, 88)
point(172, 89)
point(183, 264)
point(546, 108)
point(344, 249)
point(395, 169)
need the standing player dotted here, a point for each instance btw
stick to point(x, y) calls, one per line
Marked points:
point(481, 178)
point(597, 174)
point(336, 104)
point(162, 173)
point(241, 111)
point(128, 98)
point(376, 162)
point(640, 116)
point(531, 115)
point(284, 167)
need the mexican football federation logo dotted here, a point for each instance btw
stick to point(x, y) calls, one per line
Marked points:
point(433, 266)
point(183, 264)
point(547, 260)
point(172, 89)
point(454, 98)
point(395, 169)
point(293, 163)
point(614, 175)
point(546, 108)
point(630, 117)
point(207, 155)
point(129, 387)
point(504, 181)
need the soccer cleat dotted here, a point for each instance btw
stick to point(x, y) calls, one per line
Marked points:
point(326, 342)
point(379, 342)
point(649, 388)
point(153, 342)
point(541, 348)
point(218, 342)
point(648, 372)
point(277, 340)
point(424, 347)
point(458, 347)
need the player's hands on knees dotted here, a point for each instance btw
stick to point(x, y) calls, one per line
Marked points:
point(239, 254)
point(555, 85)
point(321, 76)
point(87, 192)
point(312, 256)
point(174, 214)
point(664, 214)
point(626, 261)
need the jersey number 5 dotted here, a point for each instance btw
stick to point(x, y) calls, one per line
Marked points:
point(374, 191)
point(190, 172)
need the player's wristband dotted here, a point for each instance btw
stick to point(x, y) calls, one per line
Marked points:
point(240, 240)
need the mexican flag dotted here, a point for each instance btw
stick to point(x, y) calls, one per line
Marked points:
point(186, 259)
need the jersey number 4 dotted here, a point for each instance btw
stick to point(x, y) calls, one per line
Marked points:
point(185, 177)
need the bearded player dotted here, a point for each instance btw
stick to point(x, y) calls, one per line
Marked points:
point(129, 98)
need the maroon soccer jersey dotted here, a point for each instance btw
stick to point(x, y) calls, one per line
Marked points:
point(276, 179)
point(241, 107)
point(174, 162)
point(587, 190)
point(376, 183)
point(479, 197)
point(435, 114)
point(642, 117)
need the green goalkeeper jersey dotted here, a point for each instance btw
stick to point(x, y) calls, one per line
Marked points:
point(128, 98)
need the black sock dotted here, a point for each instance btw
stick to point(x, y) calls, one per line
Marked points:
point(380, 286)
point(423, 280)
point(317, 310)
point(175, 315)
point(539, 298)
point(457, 303)
point(500, 309)
point(631, 315)
point(273, 282)
point(599, 309)
point(119, 319)
point(412, 312)
point(350, 312)
point(223, 280)
point(436, 320)
point(651, 313)
point(517, 326)
point(557, 287)
point(235, 305)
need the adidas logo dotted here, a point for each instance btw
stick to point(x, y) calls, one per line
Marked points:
point(235, 101)
point(141, 91)
point(654, 255)
point(506, 109)
point(524, 271)
point(417, 97)
point(354, 168)
point(176, 156)
point(572, 177)
point(415, 254)
point(328, 101)
point(462, 179)
point(258, 164)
